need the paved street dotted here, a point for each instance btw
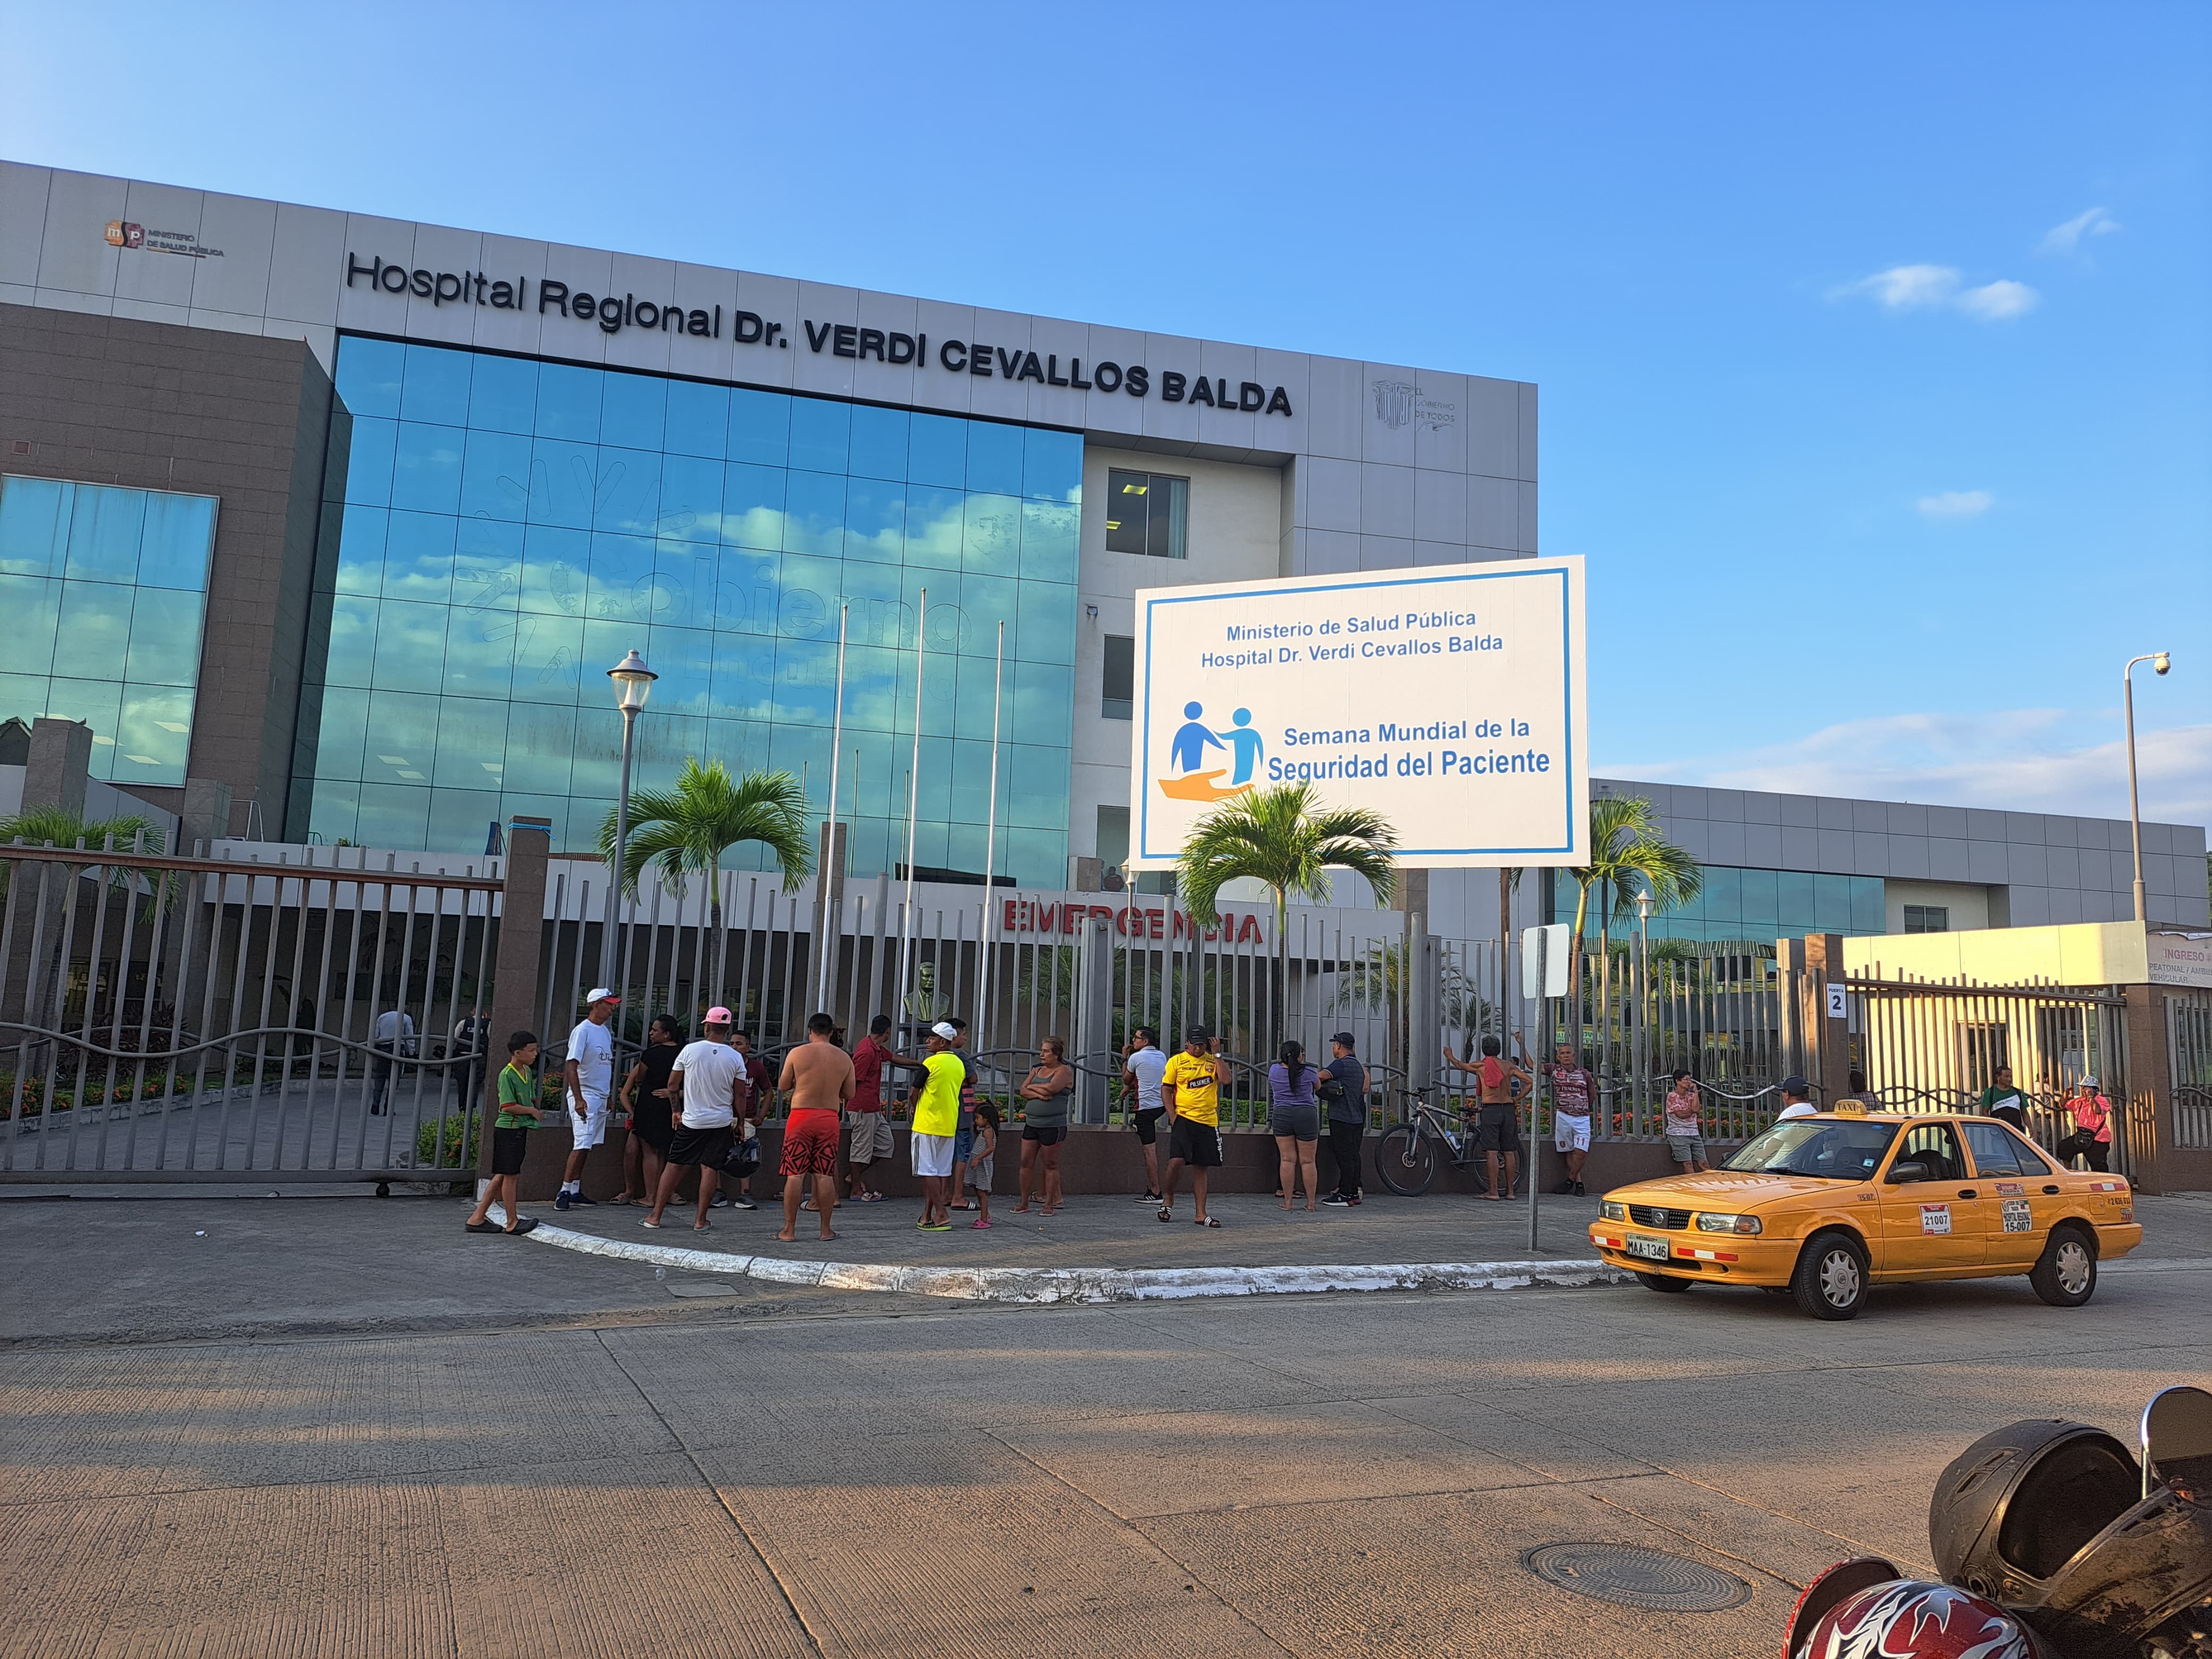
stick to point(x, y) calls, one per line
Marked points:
point(338, 1425)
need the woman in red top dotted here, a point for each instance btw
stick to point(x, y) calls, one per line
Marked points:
point(2092, 1127)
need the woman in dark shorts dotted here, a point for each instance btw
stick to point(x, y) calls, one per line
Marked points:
point(645, 1097)
point(1045, 1094)
point(1294, 1119)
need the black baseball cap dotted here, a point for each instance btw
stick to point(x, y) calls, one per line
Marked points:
point(1793, 1084)
point(1346, 1039)
point(1197, 1034)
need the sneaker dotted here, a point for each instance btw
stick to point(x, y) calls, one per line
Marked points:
point(740, 1204)
point(1565, 1188)
point(718, 1201)
point(1337, 1201)
point(1152, 1199)
point(1578, 1190)
point(576, 1198)
point(560, 1201)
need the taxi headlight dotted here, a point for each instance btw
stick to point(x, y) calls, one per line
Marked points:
point(1727, 1224)
point(1610, 1210)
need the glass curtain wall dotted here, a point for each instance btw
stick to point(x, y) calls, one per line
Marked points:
point(104, 594)
point(497, 531)
point(1738, 903)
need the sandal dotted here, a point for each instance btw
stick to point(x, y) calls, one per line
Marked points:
point(1210, 1221)
point(1167, 1215)
point(869, 1198)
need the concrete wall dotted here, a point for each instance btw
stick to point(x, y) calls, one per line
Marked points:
point(115, 401)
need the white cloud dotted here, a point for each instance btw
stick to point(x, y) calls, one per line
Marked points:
point(2033, 760)
point(1904, 287)
point(1999, 301)
point(1914, 288)
point(2066, 238)
point(1958, 504)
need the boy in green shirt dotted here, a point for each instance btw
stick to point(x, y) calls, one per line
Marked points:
point(510, 1136)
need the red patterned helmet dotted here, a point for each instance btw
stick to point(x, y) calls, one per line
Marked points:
point(1910, 1619)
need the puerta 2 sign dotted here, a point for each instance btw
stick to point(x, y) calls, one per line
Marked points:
point(1451, 702)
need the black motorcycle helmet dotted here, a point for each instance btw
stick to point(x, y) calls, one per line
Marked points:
point(2043, 1516)
point(2015, 1506)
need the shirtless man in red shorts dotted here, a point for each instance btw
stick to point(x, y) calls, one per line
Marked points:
point(818, 1075)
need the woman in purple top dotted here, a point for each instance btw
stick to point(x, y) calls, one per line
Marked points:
point(1294, 1119)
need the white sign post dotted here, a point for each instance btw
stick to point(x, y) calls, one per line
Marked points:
point(1450, 701)
point(1545, 952)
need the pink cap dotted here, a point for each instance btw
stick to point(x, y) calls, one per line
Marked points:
point(719, 1016)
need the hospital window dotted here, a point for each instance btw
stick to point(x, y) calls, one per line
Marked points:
point(1927, 918)
point(1119, 693)
point(1146, 513)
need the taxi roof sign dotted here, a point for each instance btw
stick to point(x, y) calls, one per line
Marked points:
point(1848, 1109)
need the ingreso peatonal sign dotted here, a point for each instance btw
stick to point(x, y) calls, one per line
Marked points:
point(1451, 702)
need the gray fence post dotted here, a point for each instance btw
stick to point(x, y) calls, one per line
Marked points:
point(1094, 1016)
point(515, 990)
point(1425, 1019)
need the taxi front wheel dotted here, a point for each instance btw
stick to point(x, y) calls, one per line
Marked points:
point(2065, 1275)
point(1831, 1281)
point(1659, 1282)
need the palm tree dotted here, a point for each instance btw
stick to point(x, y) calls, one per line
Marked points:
point(686, 831)
point(56, 826)
point(1285, 839)
point(1627, 854)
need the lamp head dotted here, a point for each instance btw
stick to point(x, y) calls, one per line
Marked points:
point(2162, 662)
point(633, 681)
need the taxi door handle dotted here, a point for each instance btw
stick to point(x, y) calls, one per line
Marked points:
point(1965, 1192)
point(2050, 1192)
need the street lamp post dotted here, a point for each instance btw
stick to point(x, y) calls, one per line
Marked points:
point(2159, 662)
point(1644, 1000)
point(632, 683)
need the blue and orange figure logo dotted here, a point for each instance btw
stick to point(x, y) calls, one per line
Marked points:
point(1195, 781)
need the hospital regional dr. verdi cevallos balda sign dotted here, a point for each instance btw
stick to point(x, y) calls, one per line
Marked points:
point(1451, 701)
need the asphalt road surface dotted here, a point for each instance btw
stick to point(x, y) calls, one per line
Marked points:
point(337, 1426)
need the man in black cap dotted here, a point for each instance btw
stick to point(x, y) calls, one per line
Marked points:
point(1345, 1087)
point(1797, 1098)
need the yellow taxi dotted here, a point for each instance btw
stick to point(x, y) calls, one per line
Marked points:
point(1827, 1205)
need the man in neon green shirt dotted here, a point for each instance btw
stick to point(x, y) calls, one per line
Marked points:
point(935, 1122)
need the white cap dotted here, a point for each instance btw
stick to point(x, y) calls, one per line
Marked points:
point(2088, 1083)
point(601, 994)
point(950, 1032)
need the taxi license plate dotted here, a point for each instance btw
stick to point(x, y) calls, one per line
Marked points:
point(1651, 1249)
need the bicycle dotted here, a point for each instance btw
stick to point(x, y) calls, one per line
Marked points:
point(1409, 1154)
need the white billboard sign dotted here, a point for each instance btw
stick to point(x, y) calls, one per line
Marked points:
point(1451, 701)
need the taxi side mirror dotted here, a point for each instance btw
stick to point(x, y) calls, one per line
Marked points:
point(1910, 1170)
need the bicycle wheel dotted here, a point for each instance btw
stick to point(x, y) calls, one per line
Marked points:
point(1405, 1160)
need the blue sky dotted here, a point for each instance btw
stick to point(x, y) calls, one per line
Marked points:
point(1872, 342)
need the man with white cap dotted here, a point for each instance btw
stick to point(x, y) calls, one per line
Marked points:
point(936, 1121)
point(587, 1078)
point(709, 1080)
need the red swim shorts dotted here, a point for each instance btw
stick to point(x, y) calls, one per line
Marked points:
point(810, 1144)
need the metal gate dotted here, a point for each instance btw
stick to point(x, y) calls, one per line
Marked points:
point(167, 1018)
point(1926, 1046)
point(2189, 1057)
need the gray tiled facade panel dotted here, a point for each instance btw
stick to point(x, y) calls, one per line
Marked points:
point(2031, 907)
point(1870, 816)
point(1800, 812)
point(1762, 846)
point(1949, 822)
point(1834, 813)
point(1986, 861)
point(2025, 827)
point(1947, 859)
point(1837, 855)
point(242, 419)
point(2031, 865)
point(1801, 848)
point(1724, 843)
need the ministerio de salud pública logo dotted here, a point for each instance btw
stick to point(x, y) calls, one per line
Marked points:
point(126, 234)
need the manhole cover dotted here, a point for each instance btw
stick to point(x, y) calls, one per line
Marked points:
point(701, 1287)
point(1637, 1577)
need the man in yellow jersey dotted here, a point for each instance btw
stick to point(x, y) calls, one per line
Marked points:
point(936, 1121)
point(1190, 1087)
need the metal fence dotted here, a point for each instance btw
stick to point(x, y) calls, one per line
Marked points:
point(200, 1020)
point(1931, 1046)
point(2189, 1055)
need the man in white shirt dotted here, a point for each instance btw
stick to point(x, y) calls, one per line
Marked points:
point(587, 1078)
point(709, 1077)
point(393, 1034)
point(1141, 1068)
point(1796, 1099)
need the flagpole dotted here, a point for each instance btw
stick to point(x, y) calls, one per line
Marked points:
point(991, 847)
point(825, 944)
point(912, 797)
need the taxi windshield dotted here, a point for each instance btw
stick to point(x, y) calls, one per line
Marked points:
point(1824, 1150)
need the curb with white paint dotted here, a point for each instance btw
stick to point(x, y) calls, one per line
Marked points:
point(1049, 1285)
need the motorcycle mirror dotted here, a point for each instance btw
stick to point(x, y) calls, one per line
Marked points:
point(2177, 1441)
